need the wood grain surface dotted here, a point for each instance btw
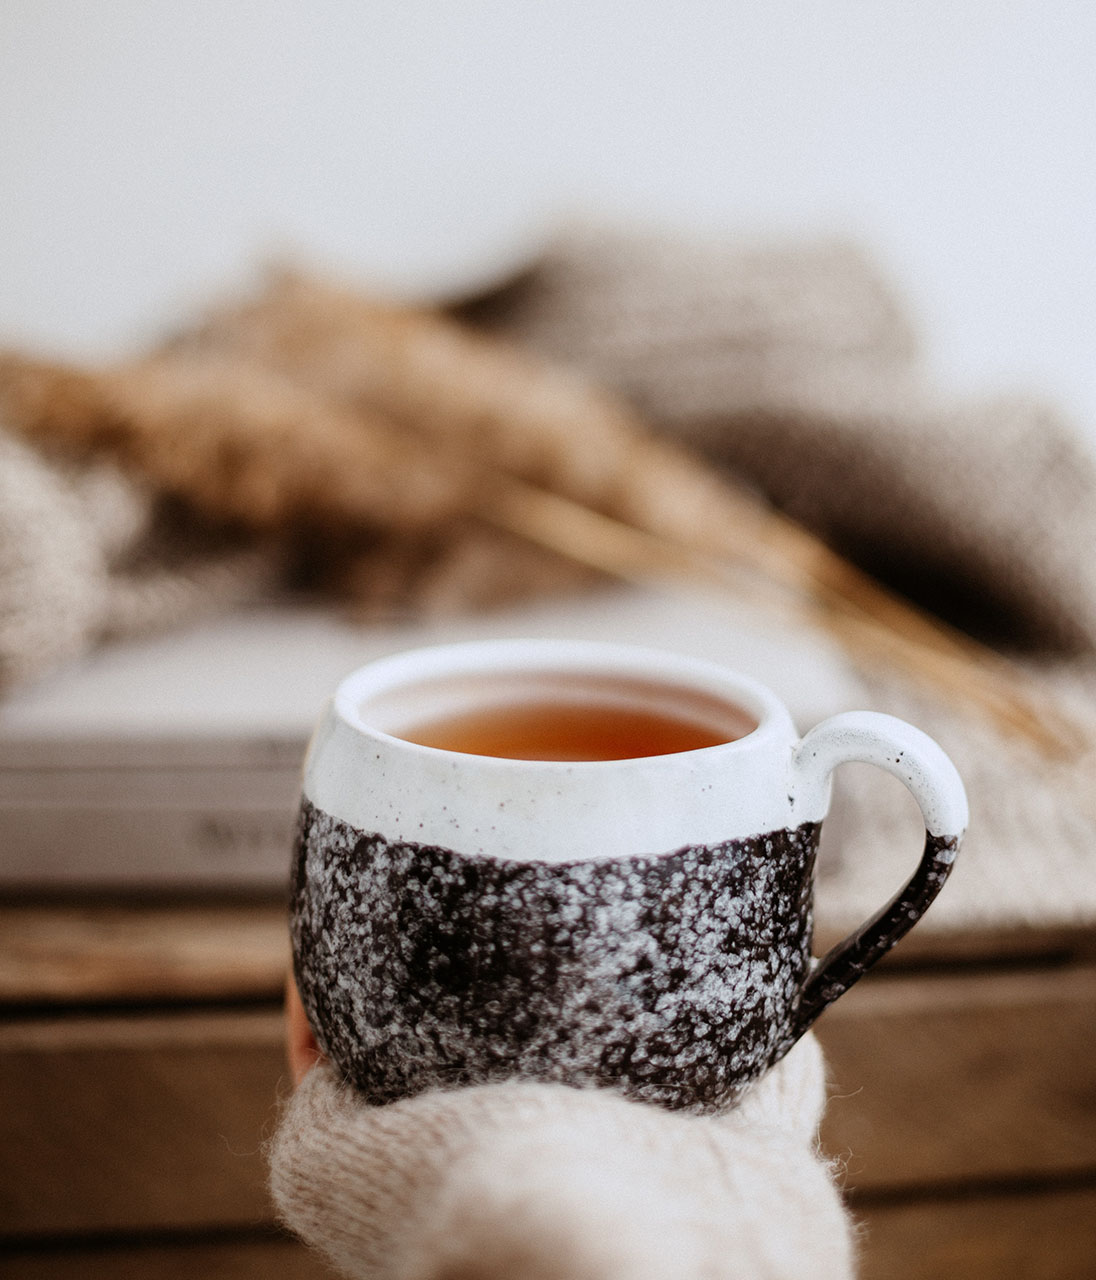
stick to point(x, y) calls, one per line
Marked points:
point(137, 1123)
point(156, 1119)
point(247, 1257)
point(118, 952)
point(1032, 1233)
point(141, 1064)
point(973, 1076)
point(110, 952)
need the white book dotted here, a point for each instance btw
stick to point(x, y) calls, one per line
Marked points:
point(174, 762)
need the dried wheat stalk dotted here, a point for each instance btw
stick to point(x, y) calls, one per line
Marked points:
point(312, 404)
point(816, 586)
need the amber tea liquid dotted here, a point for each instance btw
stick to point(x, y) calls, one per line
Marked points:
point(583, 729)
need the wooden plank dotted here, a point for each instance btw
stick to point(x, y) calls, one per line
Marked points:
point(931, 947)
point(245, 1259)
point(137, 1123)
point(971, 1076)
point(104, 952)
point(146, 1122)
point(1034, 1233)
point(113, 952)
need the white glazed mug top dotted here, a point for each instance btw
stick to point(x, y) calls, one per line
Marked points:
point(360, 770)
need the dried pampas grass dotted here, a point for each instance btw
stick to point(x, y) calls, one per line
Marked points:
point(311, 412)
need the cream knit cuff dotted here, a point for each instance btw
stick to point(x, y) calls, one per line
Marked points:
point(544, 1182)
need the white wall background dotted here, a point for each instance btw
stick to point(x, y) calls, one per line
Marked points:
point(152, 150)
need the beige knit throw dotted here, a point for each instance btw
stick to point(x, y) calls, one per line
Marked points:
point(526, 1181)
point(796, 367)
point(83, 559)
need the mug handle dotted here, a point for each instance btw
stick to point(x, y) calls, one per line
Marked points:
point(916, 760)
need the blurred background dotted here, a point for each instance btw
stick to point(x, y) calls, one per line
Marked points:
point(151, 151)
point(154, 156)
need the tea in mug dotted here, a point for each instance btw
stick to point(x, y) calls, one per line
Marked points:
point(577, 729)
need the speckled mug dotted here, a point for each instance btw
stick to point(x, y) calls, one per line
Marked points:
point(639, 924)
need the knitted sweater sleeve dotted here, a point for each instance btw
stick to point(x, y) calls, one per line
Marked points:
point(543, 1182)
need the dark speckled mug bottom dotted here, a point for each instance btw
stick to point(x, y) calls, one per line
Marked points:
point(674, 979)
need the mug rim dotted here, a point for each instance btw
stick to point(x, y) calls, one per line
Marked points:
point(512, 656)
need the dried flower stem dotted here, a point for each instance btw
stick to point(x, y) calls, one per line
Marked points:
point(792, 571)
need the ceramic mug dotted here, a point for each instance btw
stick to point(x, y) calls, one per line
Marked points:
point(642, 924)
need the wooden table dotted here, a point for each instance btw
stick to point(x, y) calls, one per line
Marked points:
point(141, 1066)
